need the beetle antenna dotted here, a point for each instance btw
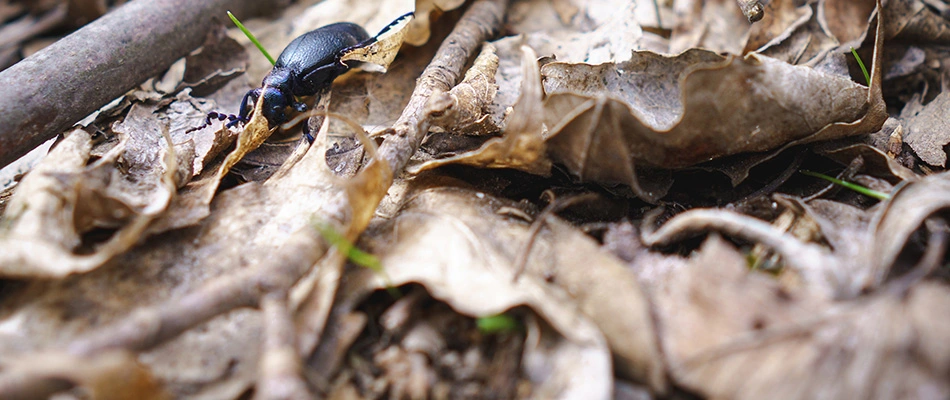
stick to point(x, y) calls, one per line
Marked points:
point(232, 120)
point(399, 21)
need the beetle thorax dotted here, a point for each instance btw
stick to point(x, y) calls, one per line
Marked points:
point(279, 78)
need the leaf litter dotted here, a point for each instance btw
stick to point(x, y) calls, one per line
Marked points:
point(138, 251)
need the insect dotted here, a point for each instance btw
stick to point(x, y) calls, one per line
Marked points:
point(306, 67)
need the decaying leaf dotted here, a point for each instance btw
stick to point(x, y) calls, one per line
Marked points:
point(717, 25)
point(735, 334)
point(218, 60)
point(874, 160)
point(845, 20)
point(467, 105)
point(425, 9)
point(64, 199)
point(730, 106)
point(165, 277)
point(909, 206)
point(782, 18)
point(926, 128)
point(592, 32)
point(384, 50)
point(914, 20)
point(110, 376)
point(243, 230)
point(604, 120)
point(254, 134)
point(522, 146)
point(459, 246)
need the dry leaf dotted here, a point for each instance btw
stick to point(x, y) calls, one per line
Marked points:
point(904, 214)
point(926, 129)
point(384, 50)
point(596, 32)
point(734, 334)
point(467, 106)
point(913, 20)
point(782, 19)
point(714, 25)
point(112, 375)
point(846, 20)
point(244, 228)
point(522, 146)
point(606, 120)
point(63, 199)
point(425, 9)
point(475, 250)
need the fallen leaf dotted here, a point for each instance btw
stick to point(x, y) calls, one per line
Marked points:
point(904, 214)
point(657, 111)
point(846, 20)
point(734, 334)
point(782, 19)
point(63, 199)
point(913, 20)
point(383, 51)
point(475, 249)
point(926, 129)
point(419, 27)
point(714, 25)
point(596, 32)
point(522, 146)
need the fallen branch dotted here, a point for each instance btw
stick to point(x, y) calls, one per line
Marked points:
point(59, 85)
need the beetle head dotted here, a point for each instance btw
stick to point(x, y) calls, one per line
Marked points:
point(277, 95)
point(275, 101)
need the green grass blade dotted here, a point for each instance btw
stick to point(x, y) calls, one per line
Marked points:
point(253, 39)
point(867, 77)
point(357, 256)
point(855, 187)
point(496, 324)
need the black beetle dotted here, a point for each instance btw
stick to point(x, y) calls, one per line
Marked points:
point(307, 66)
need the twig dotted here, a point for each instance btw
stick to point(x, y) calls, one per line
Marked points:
point(61, 84)
point(482, 21)
point(847, 174)
point(553, 207)
point(931, 260)
point(811, 261)
point(151, 326)
point(279, 375)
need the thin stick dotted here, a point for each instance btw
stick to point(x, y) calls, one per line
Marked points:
point(481, 22)
point(553, 207)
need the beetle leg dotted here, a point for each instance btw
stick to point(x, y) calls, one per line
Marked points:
point(212, 115)
point(247, 105)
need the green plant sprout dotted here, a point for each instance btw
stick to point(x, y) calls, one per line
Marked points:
point(357, 256)
point(496, 324)
point(258, 43)
point(855, 187)
point(867, 77)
